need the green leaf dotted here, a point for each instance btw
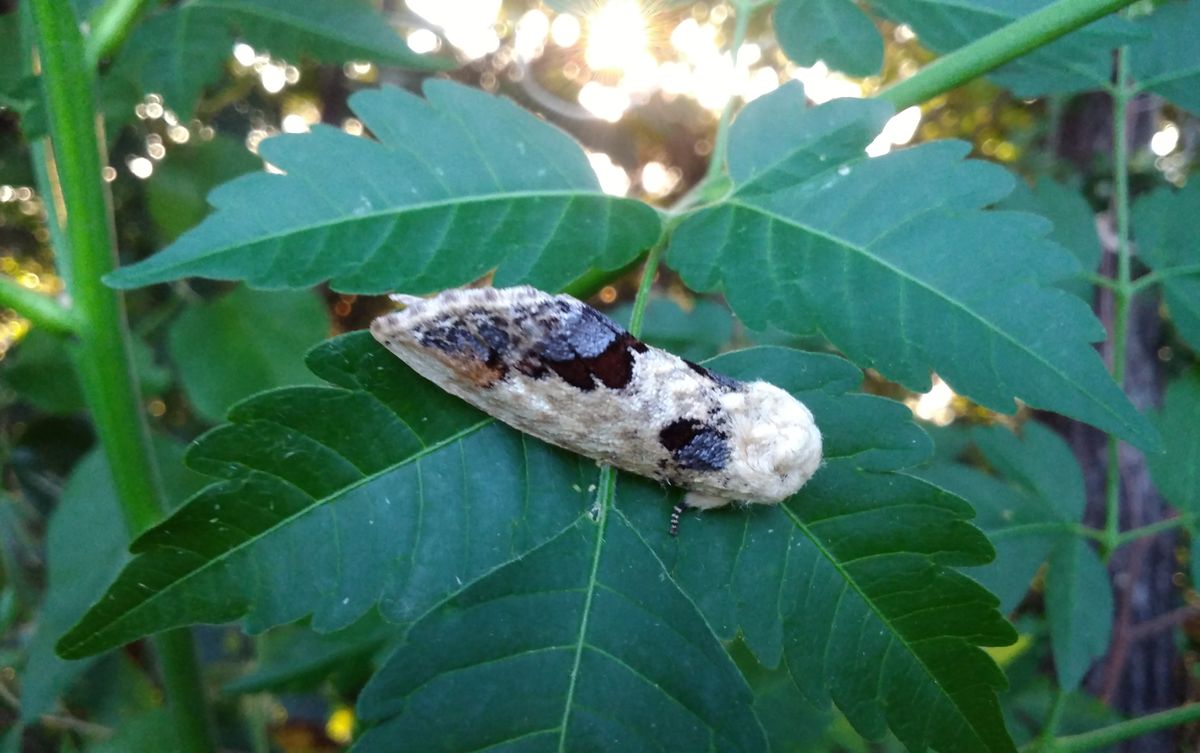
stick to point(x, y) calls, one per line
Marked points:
point(893, 260)
point(1032, 513)
point(584, 644)
point(1176, 470)
point(848, 584)
point(245, 342)
point(295, 658)
point(1079, 608)
point(458, 184)
point(85, 548)
point(338, 499)
point(1167, 242)
point(1074, 225)
point(835, 31)
point(1167, 60)
point(41, 371)
point(1079, 61)
point(181, 50)
point(699, 333)
point(176, 195)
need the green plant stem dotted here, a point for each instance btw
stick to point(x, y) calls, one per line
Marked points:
point(110, 23)
point(103, 355)
point(1012, 41)
point(1052, 718)
point(1113, 734)
point(638, 315)
point(1153, 529)
point(717, 164)
point(41, 309)
point(1157, 276)
point(1122, 292)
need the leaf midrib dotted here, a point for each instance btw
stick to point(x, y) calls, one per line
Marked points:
point(334, 223)
point(953, 302)
point(607, 490)
point(897, 637)
point(71, 649)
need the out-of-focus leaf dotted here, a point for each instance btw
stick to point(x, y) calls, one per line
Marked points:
point(848, 585)
point(150, 730)
point(835, 31)
point(1164, 225)
point(458, 184)
point(181, 50)
point(1167, 60)
point(1176, 470)
point(1079, 61)
point(699, 333)
point(181, 181)
point(41, 371)
point(1079, 608)
point(583, 644)
point(380, 460)
point(895, 262)
point(85, 548)
point(294, 657)
point(1074, 225)
point(1031, 514)
point(245, 342)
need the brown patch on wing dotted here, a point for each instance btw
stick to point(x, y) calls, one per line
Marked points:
point(582, 346)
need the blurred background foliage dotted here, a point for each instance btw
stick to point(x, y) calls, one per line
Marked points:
point(641, 86)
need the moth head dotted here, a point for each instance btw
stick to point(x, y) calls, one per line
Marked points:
point(775, 437)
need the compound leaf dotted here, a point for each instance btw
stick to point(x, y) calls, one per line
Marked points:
point(458, 184)
point(895, 262)
point(337, 499)
point(835, 31)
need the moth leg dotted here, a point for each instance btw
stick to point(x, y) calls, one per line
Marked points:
point(676, 512)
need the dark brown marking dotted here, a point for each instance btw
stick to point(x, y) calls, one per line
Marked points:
point(729, 384)
point(582, 346)
point(694, 445)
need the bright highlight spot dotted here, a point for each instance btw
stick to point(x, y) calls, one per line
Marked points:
point(898, 131)
point(422, 41)
point(140, 167)
point(935, 405)
point(605, 102)
point(616, 32)
point(658, 180)
point(469, 25)
point(1164, 141)
point(294, 123)
point(244, 54)
point(273, 77)
point(565, 30)
point(822, 85)
point(530, 38)
point(613, 178)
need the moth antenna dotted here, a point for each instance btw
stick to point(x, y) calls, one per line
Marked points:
point(676, 513)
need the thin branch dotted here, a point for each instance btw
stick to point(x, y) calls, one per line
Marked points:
point(41, 309)
point(987, 53)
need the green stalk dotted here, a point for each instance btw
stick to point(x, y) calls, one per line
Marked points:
point(110, 23)
point(1113, 734)
point(1008, 43)
point(1122, 292)
point(103, 356)
point(720, 152)
point(43, 310)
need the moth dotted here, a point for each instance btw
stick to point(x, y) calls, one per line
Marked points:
point(556, 368)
